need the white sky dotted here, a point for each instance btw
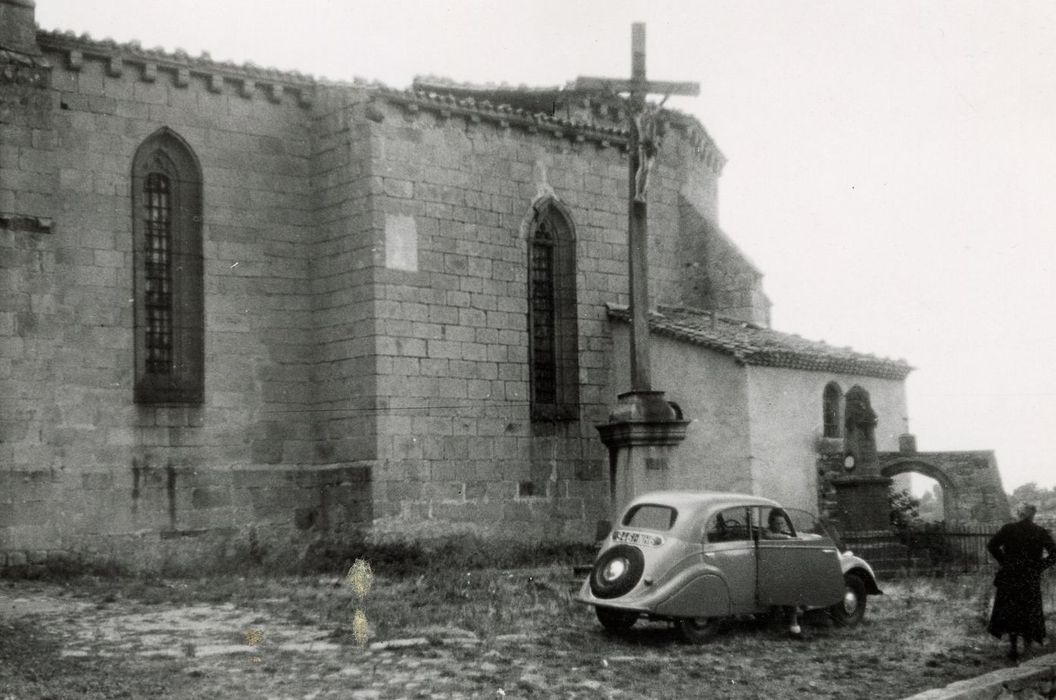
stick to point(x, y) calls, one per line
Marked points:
point(892, 165)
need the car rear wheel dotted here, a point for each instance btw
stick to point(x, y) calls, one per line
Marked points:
point(850, 611)
point(616, 620)
point(698, 630)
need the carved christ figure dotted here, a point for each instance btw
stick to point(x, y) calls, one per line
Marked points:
point(649, 129)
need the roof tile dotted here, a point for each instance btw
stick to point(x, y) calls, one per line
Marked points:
point(752, 344)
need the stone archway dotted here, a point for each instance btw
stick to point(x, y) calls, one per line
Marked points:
point(950, 498)
point(972, 493)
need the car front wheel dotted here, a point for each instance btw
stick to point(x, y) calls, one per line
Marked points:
point(698, 630)
point(615, 620)
point(850, 611)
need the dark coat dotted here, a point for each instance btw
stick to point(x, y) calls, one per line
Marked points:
point(1023, 550)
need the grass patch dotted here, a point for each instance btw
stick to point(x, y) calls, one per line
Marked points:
point(63, 569)
point(427, 557)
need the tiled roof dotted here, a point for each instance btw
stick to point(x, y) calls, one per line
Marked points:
point(751, 344)
point(481, 108)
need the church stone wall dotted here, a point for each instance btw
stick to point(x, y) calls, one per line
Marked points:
point(342, 254)
point(457, 447)
point(83, 467)
point(365, 278)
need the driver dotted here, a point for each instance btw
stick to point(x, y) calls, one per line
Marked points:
point(777, 526)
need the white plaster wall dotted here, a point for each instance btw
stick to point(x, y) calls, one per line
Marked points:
point(785, 406)
point(710, 388)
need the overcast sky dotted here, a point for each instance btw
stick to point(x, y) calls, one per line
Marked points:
point(892, 165)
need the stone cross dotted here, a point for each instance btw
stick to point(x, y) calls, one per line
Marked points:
point(644, 129)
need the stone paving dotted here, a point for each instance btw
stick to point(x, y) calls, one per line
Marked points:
point(237, 651)
point(219, 650)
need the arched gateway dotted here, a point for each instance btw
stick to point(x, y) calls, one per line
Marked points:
point(971, 485)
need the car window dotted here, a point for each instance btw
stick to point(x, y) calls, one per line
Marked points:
point(729, 525)
point(775, 524)
point(806, 523)
point(651, 517)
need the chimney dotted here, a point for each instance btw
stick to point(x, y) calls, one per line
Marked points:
point(18, 27)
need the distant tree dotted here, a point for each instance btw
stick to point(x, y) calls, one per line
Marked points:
point(1027, 493)
point(1044, 499)
point(905, 509)
point(931, 505)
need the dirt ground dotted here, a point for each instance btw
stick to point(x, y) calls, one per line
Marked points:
point(494, 634)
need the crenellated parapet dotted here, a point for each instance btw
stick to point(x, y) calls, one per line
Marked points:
point(246, 80)
point(560, 113)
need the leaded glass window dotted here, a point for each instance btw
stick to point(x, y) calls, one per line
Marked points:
point(544, 369)
point(168, 279)
point(552, 315)
point(158, 274)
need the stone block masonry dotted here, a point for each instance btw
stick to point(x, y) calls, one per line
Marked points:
point(162, 517)
point(366, 306)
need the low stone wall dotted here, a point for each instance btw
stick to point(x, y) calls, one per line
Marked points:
point(1034, 679)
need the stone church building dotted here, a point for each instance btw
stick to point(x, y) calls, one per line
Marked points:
point(243, 305)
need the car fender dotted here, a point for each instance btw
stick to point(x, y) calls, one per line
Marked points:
point(852, 564)
point(648, 596)
point(705, 595)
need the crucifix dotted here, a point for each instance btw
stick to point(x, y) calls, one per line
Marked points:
point(645, 129)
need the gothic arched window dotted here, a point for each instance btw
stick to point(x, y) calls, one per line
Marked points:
point(167, 256)
point(553, 334)
point(832, 402)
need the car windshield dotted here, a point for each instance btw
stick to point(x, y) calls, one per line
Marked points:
point(651, 517)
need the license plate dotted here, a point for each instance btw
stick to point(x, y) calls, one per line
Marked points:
point(639, 538)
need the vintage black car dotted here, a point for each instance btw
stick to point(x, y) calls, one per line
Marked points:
point(695, 558)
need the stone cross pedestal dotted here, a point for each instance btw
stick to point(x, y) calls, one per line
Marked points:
point(643, 427)
point(641, 433)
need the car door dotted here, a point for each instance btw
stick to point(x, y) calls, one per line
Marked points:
point(729, 548)
point(793, 568)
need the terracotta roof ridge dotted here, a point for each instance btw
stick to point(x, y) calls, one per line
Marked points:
point(437, 83)
point(502, 112)
point(698, 136)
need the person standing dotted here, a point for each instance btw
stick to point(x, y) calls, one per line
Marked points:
point(1024, 550)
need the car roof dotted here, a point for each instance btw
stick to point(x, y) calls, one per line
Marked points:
point(702, 500)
